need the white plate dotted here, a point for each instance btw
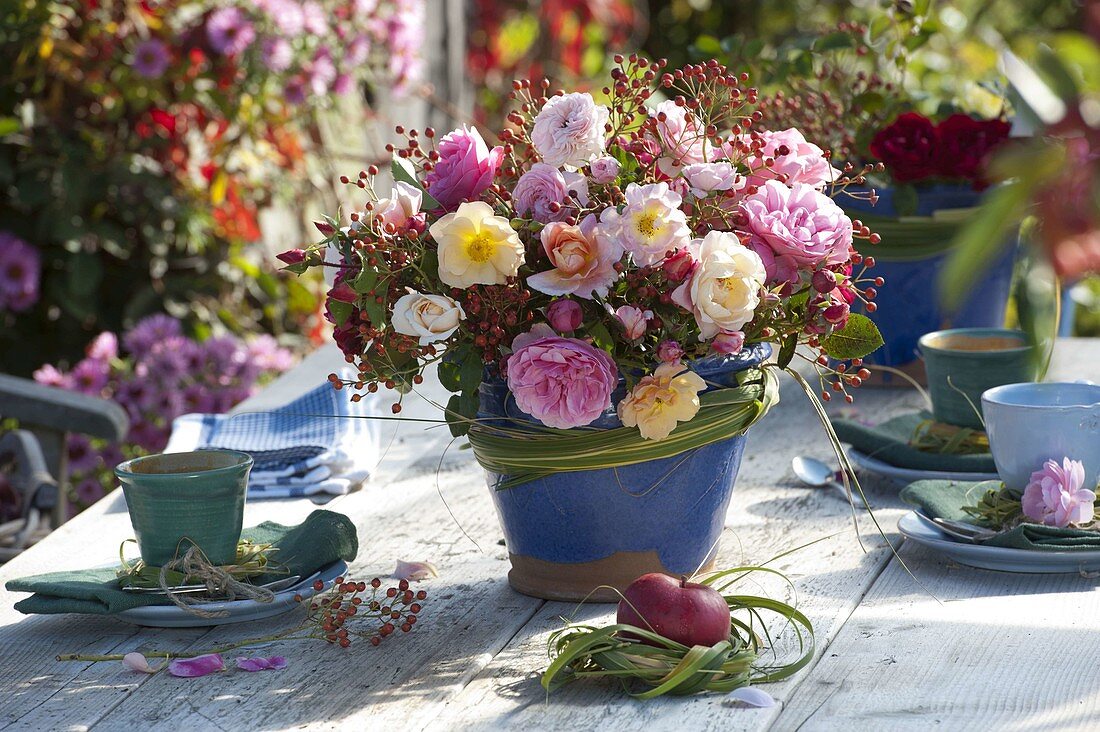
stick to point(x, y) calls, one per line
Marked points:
point(170, 616)
point(905, 476)
point(1003, 559)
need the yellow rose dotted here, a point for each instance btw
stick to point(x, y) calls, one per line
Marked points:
point(476, 247)
point(659, 401)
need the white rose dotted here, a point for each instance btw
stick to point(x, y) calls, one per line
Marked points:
point(569, 130)
point(428, 317)
point(724, 289)
point(403, 204)
point(705, 178)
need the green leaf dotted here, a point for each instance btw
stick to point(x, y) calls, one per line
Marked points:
point(601, 336)
point(859, 337)
point(470, 371)
point(1055, 72)
point(340, 310)
point(448, 373)
point(9, 125)
point(403, 170)
point(455, 423)
point(833, 41)
point(786, 352)
point(366, 281)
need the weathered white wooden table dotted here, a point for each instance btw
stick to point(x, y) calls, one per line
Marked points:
point(963, 649)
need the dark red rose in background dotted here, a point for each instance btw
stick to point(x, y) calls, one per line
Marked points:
point(907, 147)
point(964, 145)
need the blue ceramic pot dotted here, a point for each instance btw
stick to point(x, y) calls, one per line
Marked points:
point(909, 302)
point(573, 532)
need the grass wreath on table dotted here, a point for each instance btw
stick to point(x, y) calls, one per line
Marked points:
point(650, 665)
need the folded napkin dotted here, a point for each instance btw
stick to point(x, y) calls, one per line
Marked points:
point(945, 499)
point(313, 544)
point(322, 442)
point(889, 442)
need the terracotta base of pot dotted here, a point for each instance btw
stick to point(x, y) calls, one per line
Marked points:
point(590, 581)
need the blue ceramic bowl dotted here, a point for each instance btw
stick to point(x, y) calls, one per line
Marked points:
point(572, 532)
point(1029, 424)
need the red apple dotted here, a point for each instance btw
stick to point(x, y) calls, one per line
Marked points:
point(686, 612)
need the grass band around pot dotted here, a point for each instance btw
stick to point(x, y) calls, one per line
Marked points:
point(532, 452)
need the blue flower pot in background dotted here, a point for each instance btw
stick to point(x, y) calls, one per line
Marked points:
point(909, 301)
point(573, 532)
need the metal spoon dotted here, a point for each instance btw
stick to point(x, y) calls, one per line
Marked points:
point(815, 473)
point(275, 586)
point(958, 529)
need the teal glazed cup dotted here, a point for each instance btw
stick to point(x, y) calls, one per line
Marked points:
point(186, 498)
point(963, 363)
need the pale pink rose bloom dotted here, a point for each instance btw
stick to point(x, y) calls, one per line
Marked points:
point(634, 320)
point(569, 130)
point(724, 290)
point(728, 343)
point(682, 141)
point(650, 225)
point(804, 162)
point(796, 229)
point(706, 178)
point(1056, 495)
point(415, 571)
point(678, 265)
point(465, 168)
point(536, 190)
point(402, 206)
point(583, 258)
point(562, 382)
point(605, 169)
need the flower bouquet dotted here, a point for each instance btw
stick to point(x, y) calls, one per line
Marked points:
point(602, 291)
point(853, 89)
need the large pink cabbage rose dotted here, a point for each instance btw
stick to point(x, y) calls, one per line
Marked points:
point(562, 382)
point(465, 168)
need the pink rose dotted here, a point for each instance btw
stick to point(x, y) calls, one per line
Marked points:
point(465, 168)
point(1057, 496)
point(634, 320)
point(678, 265)
point(537, 189)
point(569, 130)
point(562, 382)
point(583, 259)
point(728, 343)
point(605, 169)
point(565, 315)
point(795, 229)
point(669, 352)
point(705, 178)
point(401, 209)
point(796, 160)
point(682, 142)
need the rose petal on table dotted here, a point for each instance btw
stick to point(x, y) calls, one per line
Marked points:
point(752, 697)
point(415, 571)
point(260, 663)
point(197, 666)
point(138, 662)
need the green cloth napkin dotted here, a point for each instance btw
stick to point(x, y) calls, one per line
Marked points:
point(945, 499)
point(889, 442)
point(317, 542)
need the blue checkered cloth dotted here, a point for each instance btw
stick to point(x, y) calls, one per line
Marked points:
point(322, 442)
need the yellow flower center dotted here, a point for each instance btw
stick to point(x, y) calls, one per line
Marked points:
point(479, 248)
point(647, 225)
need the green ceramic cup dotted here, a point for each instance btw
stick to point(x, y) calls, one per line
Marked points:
point(974, 359)
point(185, 498)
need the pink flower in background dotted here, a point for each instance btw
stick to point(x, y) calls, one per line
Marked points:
point(1056, 495)
point(634, 320)
point(565, 316)
point(669, 352)
point(569, 130)
point(229, 31)
point(605, 169)
point(682, 142)
point(288, 15)
point(539, 192)
point(103, 347)
point(322, 72)
point(276, 53)
point(795, 160)
point(315, 18)
point(295, 89)
point(151, 58)
point(20, 271)
point(706, 178)
point(583, 259)
point(562, 382)
point(795, 229)
point(465, 168)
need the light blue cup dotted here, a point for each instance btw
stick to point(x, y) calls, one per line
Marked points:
point(1029, 424)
